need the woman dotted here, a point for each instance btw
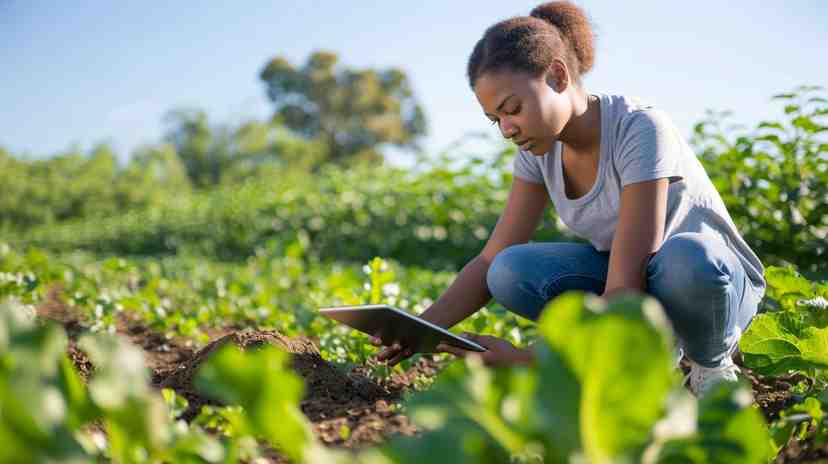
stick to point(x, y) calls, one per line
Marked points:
point(620, 175)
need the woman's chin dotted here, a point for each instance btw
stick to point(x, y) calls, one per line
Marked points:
point(536, 150)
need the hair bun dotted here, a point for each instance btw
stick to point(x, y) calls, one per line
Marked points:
point(574, 27)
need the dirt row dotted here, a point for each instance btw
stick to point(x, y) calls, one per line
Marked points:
point(334, 398)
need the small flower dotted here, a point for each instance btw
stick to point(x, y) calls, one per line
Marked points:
point(391, 289)
point(817, 302)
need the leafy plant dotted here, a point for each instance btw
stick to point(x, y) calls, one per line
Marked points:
point(790, 335)
point(774, 180)
point(729, 430)
point(267, 391)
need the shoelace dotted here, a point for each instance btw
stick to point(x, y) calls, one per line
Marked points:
point(703, 374)
point(678, 354)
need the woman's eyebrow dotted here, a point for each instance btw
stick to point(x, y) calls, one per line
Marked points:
point(501, 104)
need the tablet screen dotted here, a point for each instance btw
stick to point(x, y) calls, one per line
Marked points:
point(391, 324)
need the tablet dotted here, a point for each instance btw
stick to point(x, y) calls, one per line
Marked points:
point(391, 324)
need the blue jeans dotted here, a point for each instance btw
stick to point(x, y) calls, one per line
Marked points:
point(702, 285)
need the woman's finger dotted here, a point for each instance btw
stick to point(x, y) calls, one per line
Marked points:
point(473, 337)
point(403, 354)
point(451, 350)
point(483, 340)
point(388, 352)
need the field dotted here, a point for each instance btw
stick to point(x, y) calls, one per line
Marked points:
point(348, 402)
point(184, 329)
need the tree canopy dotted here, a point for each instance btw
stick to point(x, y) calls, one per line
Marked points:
point(352, 111)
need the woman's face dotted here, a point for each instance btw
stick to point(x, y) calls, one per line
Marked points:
point(531, 111)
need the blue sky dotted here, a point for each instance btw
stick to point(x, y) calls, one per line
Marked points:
point(86, 72)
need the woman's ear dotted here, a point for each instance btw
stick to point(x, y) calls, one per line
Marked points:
point(557, 77)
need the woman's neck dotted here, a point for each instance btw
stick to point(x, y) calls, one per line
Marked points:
point(582, 134)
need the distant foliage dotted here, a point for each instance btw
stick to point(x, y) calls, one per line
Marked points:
point(263, 182)
point(352, 111)
point(221, 154)
point(438, 217)
point(74, 185)
point(774, 180)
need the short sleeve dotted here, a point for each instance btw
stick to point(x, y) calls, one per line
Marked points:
point(527, 168)
point(649, 148)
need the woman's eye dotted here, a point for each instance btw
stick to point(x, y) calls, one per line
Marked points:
point(493, 123)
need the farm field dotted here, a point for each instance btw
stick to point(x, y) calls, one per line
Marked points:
point(180, 324)
point(347, 402)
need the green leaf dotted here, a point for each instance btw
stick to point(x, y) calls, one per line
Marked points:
point(730, 431)
point(769, 138)
point(465, 405)
point(786, 286)
point(135, 418)
point(80, 409)
point(618, 386)
point(35, 416)
point(807, 124)
point(260, 382)
point(774, 344)
point(771, 125)
point(784, 96)
point(120, 371)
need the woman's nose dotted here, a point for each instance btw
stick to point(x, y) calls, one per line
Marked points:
point(508, 130)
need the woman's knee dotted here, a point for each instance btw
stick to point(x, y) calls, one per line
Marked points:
point(504, 272)
point(509, 285)
point(689, 264)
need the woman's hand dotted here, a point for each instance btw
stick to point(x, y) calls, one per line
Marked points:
point(393, 353)
point(498, 352)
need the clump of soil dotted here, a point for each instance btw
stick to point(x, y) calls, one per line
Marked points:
point(333, 398)
point(82, 363)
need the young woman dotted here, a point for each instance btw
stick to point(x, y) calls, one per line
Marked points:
point(620, 175)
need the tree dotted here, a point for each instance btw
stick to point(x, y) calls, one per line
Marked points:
point(205, 151)
point(351, 111)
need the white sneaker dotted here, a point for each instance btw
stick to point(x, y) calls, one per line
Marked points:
point(701, 379)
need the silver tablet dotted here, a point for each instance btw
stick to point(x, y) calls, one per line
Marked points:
point(391, 324)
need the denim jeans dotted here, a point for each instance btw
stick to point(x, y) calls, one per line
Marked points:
point(700, 283)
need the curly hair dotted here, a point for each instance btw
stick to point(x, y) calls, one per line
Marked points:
point(530, 43)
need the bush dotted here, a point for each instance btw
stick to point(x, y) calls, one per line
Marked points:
point(438, 217)
point(774, 180)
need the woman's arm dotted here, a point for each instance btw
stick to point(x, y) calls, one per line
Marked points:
point(469, 291)
point(638, 235)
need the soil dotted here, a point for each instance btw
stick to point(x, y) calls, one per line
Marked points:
point(334, 397)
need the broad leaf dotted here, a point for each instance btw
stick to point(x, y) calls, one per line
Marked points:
point(261, 382)
point(778, 342)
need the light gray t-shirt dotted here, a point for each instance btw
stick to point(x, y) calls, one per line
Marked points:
point(640, 143)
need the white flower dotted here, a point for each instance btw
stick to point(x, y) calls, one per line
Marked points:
point(391, 289)
point(99, 439)
point(817, 302)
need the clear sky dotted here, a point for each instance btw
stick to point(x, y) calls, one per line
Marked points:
point(92, 71)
